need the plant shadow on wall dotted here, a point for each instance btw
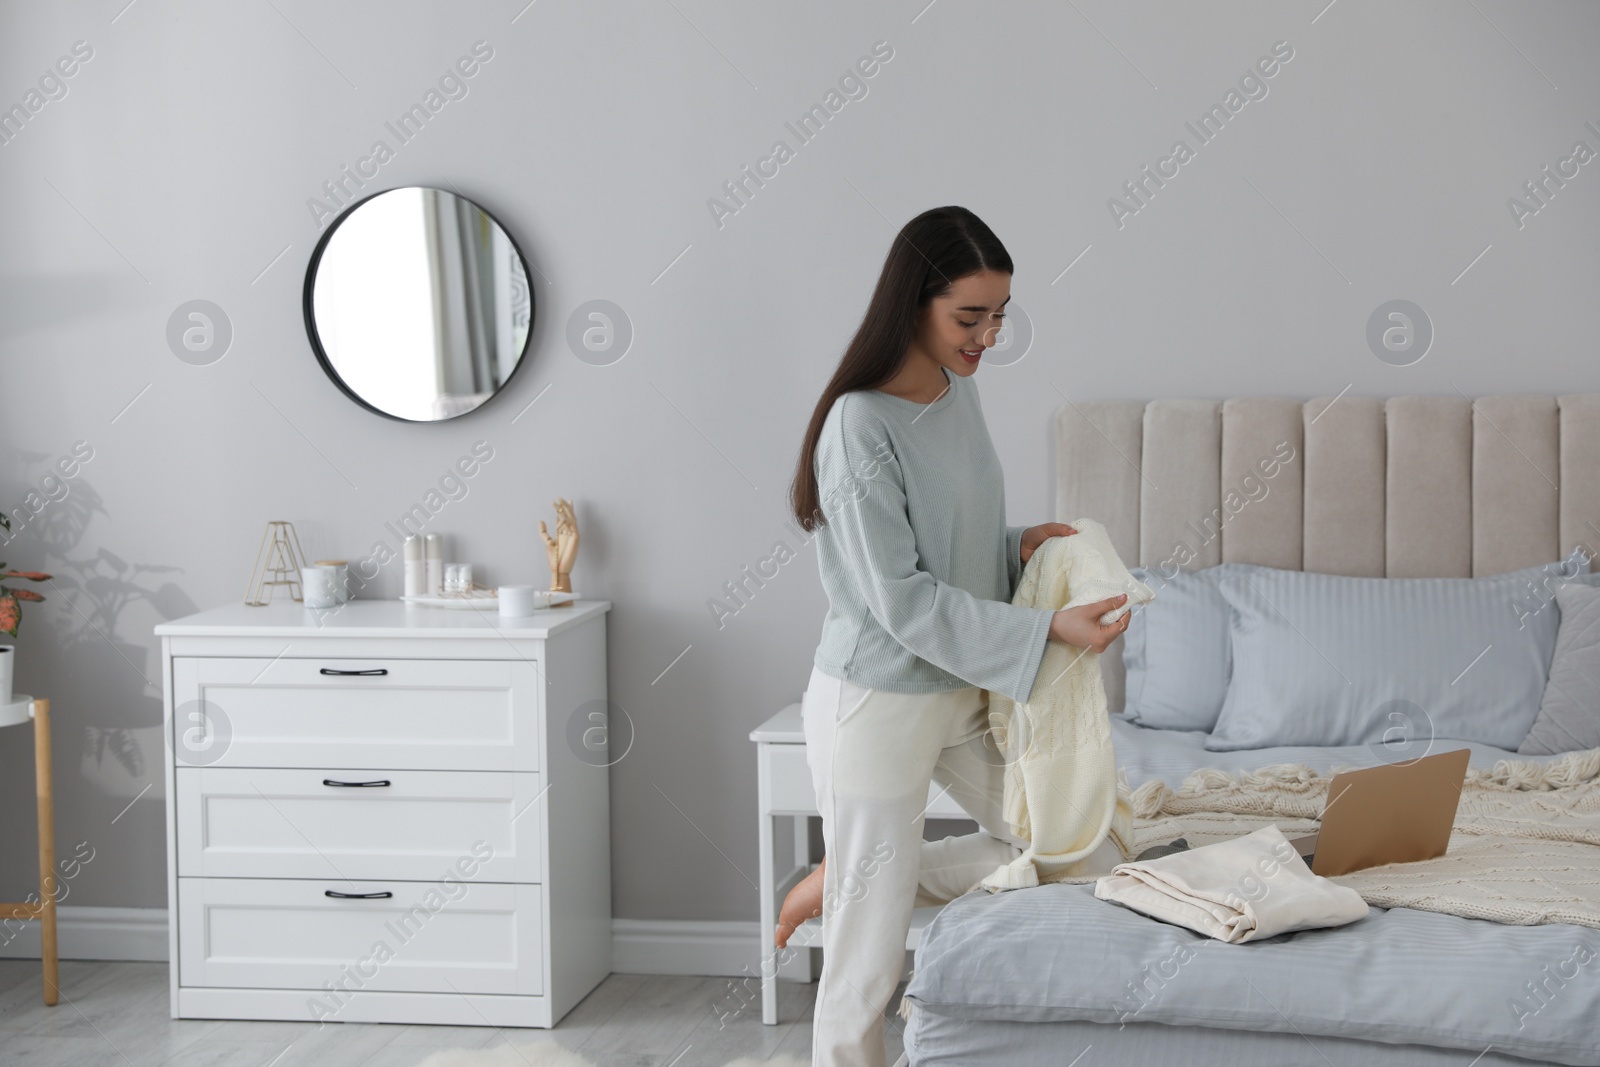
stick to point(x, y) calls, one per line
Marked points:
point(97, 672)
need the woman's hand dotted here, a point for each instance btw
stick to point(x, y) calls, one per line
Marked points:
point(1034, 536)
point(1081, 626)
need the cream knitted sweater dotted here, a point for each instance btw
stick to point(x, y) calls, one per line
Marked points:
point(1525, 849)
point(1061, 770)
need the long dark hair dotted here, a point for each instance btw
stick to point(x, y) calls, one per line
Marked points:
point(929, 253)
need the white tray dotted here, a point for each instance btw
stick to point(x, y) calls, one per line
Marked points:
point(481, 600)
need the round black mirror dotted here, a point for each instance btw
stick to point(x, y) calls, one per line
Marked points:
point(417, 304)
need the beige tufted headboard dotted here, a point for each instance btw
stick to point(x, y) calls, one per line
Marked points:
point(1412, 486)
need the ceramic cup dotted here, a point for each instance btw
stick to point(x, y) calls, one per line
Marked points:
point(317, 585)
point(341, 577)
point(517, 600)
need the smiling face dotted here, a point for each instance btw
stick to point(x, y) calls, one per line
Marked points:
point(956, 327)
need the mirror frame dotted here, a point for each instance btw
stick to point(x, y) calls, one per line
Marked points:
point(308, 292)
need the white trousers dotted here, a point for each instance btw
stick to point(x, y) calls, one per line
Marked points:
point(872, 754)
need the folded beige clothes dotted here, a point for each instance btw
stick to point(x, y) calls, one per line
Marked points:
point(1246, 889)
point(1061, 771)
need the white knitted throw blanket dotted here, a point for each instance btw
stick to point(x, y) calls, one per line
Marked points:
point(1061, 771)
point(1525, 849)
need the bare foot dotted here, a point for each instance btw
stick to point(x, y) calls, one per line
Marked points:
point(803, 902)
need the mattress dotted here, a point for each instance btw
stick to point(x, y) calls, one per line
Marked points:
point(1037, 975)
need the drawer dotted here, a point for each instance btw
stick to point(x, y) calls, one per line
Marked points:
point(373, 713)
point(790, 790)
point(239, 822)
point(277, 934)
point(789, 779)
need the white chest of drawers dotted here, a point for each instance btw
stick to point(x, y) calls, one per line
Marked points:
point(387, 813)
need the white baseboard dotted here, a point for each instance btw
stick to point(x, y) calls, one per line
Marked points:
point(685, 946)
point(92, 934)
point(725, 949)
point(639, 946)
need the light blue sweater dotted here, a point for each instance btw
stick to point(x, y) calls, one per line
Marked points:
point(916, 557)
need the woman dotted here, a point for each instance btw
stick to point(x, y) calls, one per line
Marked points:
point(898, 475)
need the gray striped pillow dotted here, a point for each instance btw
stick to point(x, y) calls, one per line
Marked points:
point(1176, 649)
point(1569, 717)
point(1323, 659)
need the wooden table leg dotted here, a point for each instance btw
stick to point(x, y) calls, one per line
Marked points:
point(47, 849)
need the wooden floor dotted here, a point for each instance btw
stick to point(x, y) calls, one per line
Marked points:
point(116, 1014)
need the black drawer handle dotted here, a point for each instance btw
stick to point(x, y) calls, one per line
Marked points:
point(335, 894)
point(375, 672)
point(357, 785)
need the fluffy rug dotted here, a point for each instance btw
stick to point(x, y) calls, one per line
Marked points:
point(548, 1053)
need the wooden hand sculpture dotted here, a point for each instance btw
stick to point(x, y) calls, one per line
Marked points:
point(562, 549)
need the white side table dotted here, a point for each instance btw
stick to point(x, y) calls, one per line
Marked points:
point(783, 785)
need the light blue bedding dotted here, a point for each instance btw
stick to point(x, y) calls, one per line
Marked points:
point(1399, 977)
point(1176, 649)
point(1173, 755)
point(1321, 659)
point(943, 1041)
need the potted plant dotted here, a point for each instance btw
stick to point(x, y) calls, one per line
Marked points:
point(11, 616)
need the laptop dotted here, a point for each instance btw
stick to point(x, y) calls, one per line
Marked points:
point(1396, 813)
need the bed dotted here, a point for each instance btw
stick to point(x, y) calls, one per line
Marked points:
point(1408, 487)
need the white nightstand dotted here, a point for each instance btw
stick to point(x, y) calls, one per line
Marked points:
point(387, 813)
point(783, 786)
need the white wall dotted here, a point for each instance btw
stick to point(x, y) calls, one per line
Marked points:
point(179, 164)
